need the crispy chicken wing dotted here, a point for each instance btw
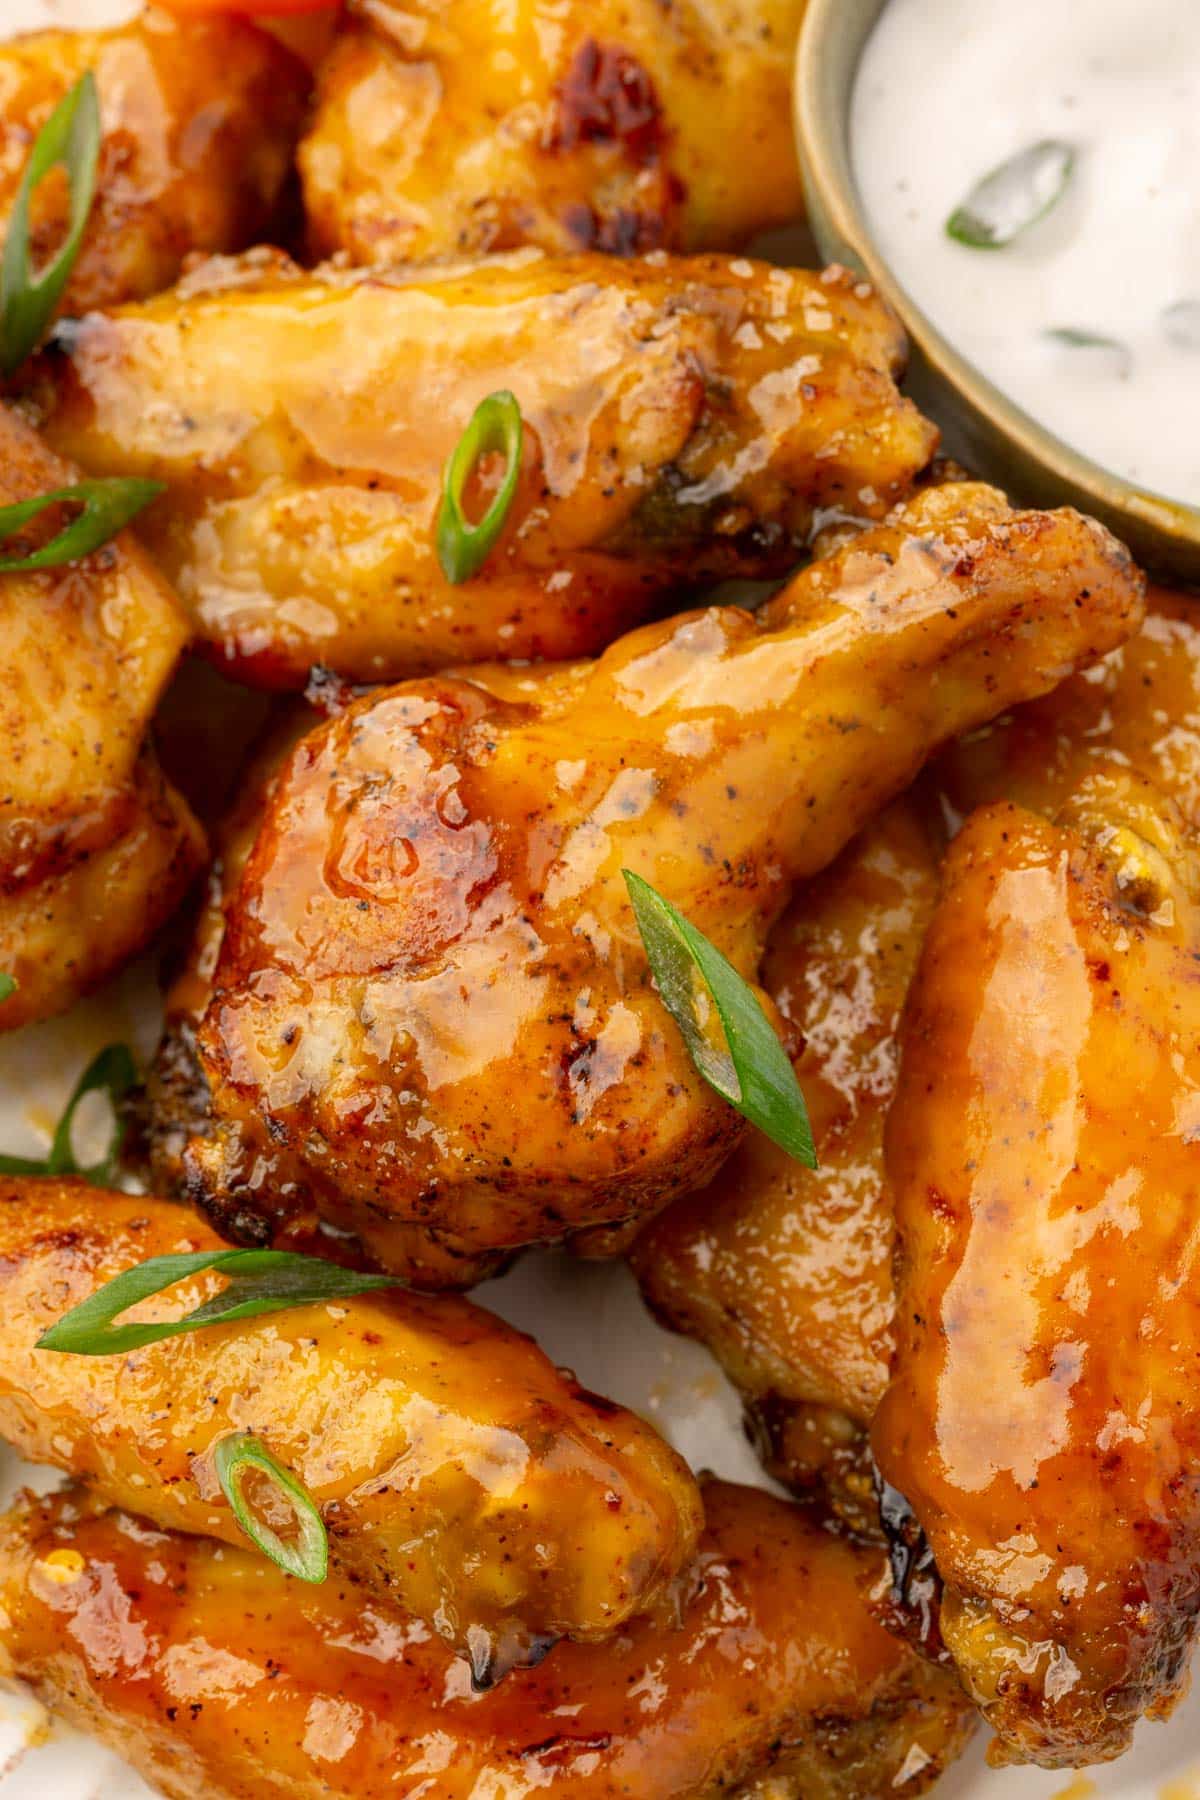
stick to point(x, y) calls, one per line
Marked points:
point(223, 1679)
point(431, 1006)
point(199, 119)
point(449, 127)
point(1044, 1154)
point(96, 848)
point(460, 1475)
point(784, 1272)
point(682, 422)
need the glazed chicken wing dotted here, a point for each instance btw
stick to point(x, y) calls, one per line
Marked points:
point(431, 1007)
point(198, 118)
point(1044, 1154)
point(682, 421)
point(786, 1272)
point(453, 127)
point(461, 1476)
point(96, 848)
point(222, 1679)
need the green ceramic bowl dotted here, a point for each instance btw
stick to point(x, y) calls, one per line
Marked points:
point(981, 425)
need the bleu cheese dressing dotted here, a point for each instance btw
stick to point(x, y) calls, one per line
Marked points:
point(1090, 318)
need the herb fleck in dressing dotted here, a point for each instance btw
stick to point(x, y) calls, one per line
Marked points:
point(1032, 174)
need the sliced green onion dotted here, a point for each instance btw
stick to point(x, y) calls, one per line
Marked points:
point(1014, 196)
point(107, 506)
point(233, 1459)
point(70, 137)
point(495, 425)
point(260, 1281)
point(1076, 338)
point(753, 1073)
point(8, 986)
point(112, 1072)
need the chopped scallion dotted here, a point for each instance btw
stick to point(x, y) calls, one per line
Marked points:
point(495, 425)
point(240, 1455)
point(107, 505)
point(752, 1070)
point(113, 1072)
point(1014, 196)
point(70, 138)
point(260, 1281)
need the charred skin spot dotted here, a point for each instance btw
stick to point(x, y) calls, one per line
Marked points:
point(624, 231)
point(607, 97)
point(912, 1610)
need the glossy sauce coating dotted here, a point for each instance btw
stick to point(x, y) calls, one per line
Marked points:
point(1044, 1154)
point(785, 1272)
point(682, 422)
point(1140, 706)
point(221, 1679)
point(432, 1007)
point(96, 849)
point(452, 127)
point(460, 1475)
point(199, 119)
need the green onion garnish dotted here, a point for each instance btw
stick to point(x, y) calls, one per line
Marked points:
point(753, 1073)
point(495, 425)
point(233, 1459)
point(112, 1072)
point(1074, 337)
point(260, 1281)
point(8, 985)
point(107, 506)
point(1014, 196)
point(70, 137)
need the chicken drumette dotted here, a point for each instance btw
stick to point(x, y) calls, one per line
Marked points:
point(431, 1011)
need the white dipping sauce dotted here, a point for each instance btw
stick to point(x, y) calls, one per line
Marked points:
point(950, 89)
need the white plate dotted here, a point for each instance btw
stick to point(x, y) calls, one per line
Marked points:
point(588, 1317)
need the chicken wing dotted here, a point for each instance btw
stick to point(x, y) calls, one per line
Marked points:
point(222, 1679)
point(1043, 1149)
point(447, 127)
point(460, 1475)
point(199, 120)
point(431, 1006)
point(96, 848)
point(786, 1273)
point(684, 416)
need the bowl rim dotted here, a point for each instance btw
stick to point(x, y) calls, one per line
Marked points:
point(832, 37)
